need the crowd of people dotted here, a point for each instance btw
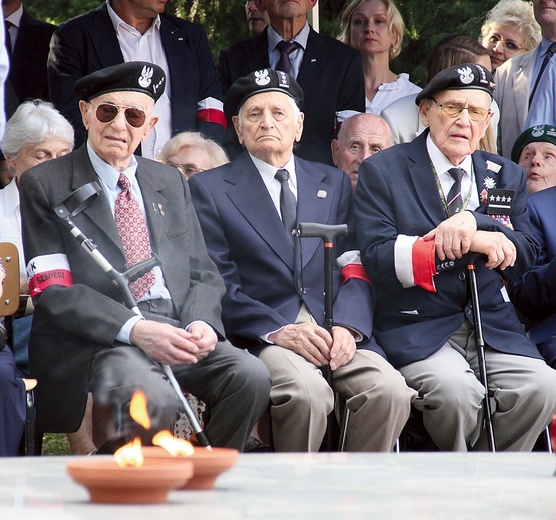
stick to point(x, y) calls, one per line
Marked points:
point(212, 167)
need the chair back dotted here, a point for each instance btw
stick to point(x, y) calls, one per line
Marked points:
point(9, 302)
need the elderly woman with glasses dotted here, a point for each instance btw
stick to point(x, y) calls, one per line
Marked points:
point(509, 29)
point(192, 153)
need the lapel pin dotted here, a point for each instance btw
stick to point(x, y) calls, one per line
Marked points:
point(160, 209)
point(493, 166)
point(321, 194)
point(154, 208)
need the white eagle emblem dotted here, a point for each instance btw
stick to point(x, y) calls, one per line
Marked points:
point(466, 75)
point(145, 77)
point(537, 131)
point(262, 78)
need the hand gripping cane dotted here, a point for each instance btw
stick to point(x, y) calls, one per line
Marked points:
point(474, 293)
point(327, 233)
point(74, 205)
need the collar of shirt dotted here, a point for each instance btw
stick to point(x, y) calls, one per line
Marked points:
point(442, 165)
point(15, 17)
point(267, 172)
point(296, 57)
point(10, 195)
point(118, 23)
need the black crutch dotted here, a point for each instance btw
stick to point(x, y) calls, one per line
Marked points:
point(474, 292)
point(74, 205)
point(327, 233)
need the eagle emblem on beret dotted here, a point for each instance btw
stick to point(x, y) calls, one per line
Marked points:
point(262, 78)
point(145, 77)
point(466, 75)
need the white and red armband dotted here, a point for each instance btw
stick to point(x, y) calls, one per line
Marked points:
point(351, 267)
point(46, 270)
point(414, 262)
point(211, 110)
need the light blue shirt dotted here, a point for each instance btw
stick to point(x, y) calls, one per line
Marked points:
point(543, 108)
point(296, 57)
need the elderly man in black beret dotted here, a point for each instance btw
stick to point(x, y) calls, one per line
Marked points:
point(83, 338)
point(424, 209)
point(274, 302)
point(535, 151)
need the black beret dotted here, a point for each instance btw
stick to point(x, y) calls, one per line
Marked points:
point(545, 133)
point(458, 77)
point(132, 76)
point(265, 80)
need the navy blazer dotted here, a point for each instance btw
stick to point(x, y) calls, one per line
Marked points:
point(266, 279)
point(71, 322)
point(28, 67)
point(88, 43)
point(397, 194)
point(534, 293)
point(331, 76)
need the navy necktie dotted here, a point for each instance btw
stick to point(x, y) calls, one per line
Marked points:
point(551, 51)
point(285, 48)
point(454, 200)
point(288, 204)
point(7, 38)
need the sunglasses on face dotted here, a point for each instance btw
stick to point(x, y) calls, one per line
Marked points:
point(107, 112)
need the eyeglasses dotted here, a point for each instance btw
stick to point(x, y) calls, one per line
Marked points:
point(455, 109)
point(188, 169)
point(134, 116)
point(509, 46)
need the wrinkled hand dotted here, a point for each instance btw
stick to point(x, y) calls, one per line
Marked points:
point(204, 337)
point(499, 249)
point(343, 347)
point(452, 237)
point(164, 343)
point(306, 339)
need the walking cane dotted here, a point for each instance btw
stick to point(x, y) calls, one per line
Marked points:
point(327, 233)
point(474, 292)
point(72, 206)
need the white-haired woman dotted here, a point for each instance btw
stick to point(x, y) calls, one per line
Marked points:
point(509, 29)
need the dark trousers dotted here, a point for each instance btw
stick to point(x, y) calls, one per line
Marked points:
point(232, 382)
point(12, 405)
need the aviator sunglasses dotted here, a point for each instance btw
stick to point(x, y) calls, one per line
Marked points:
point(107, 112)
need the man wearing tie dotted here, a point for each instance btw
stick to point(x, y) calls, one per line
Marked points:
point(526, 85)
point(83, 338)
point(421, 207)
point(274, 282)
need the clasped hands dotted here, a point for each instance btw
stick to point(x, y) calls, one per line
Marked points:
point(316, 345)
point(171, 345)
point(458, 235)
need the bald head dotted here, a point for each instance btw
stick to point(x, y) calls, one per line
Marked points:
point(361, 136)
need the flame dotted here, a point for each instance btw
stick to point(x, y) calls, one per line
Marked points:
point(130, 454)
point(138, 409)
point(174, 446)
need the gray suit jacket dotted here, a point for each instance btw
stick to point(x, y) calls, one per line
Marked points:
point(513, 81)
point(71, 321)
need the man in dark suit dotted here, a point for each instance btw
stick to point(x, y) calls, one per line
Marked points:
point(274, 285)
point(29, 42)
point(329, 72)
point(420, 208)
point(83, 338)
point(121, 31)
point(533, 293)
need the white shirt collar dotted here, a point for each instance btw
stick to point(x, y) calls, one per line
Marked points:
point(117, 22)
point(268, 171)
point(301, 37)
point(11, 198)
point(15, 17)
point(107, 173)
point(442, 164)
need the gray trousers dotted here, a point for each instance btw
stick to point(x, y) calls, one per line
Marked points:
point(301, 399)
point(234, 384)
point(523, 391)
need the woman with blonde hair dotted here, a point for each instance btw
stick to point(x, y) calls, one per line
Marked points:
point(510, 29)
point(376, 28)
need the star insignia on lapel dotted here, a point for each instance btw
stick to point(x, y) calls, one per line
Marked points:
point(489, 183)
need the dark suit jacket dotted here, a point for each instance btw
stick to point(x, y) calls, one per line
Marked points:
point(331, 76)
point(88, 43)
point(70, 322)
point(397, 194)
point(28, 66)
point(246, 239)
point(534, 293)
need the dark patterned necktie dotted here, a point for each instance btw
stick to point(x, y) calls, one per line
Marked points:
point(288, 204)
point(454, 200)
point(285, 48)
point(549, 53)
point(134, 235)
point(7, 38)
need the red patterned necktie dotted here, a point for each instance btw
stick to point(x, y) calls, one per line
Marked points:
point(134, 235)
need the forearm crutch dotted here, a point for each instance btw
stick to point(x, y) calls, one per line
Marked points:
point(327, 233)
point(474, 292)
point(74, 205)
